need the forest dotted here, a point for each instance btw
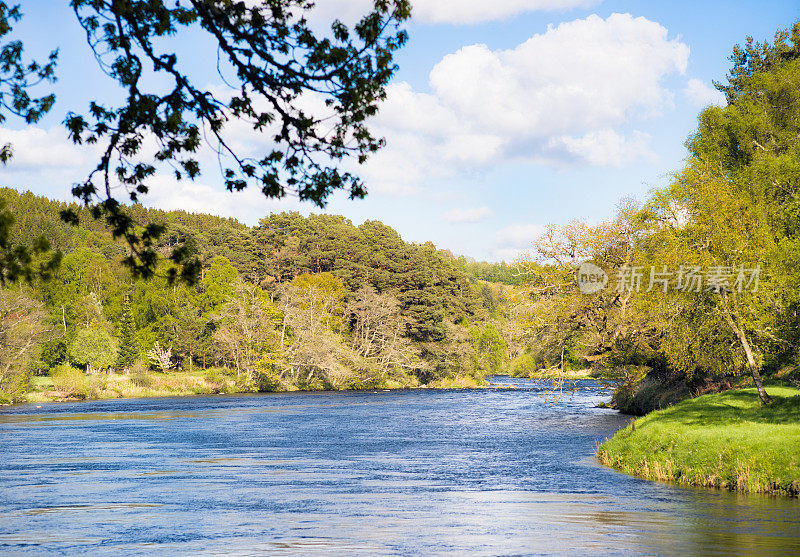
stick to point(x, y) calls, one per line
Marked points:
point(293, 303)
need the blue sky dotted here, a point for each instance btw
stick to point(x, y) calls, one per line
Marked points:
point(504, 116)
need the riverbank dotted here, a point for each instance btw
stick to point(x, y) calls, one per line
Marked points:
point(725, 440)
point(200, 382)
point(555, 375)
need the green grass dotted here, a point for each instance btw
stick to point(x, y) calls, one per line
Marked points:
point(726, 440)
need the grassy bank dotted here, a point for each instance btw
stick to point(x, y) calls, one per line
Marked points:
point(726, 440)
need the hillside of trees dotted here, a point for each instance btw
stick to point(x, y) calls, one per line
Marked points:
point(293, 303)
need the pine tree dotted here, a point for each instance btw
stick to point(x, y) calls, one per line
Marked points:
point(128, 345)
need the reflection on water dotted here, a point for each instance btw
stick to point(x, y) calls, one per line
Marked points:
point(487, 472)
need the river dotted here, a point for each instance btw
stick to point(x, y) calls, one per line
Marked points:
point(497, 471)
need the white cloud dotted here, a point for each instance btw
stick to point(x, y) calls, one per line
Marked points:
point(468, 215)
point(247, 206)
point(580, 75)
point(447, 11)
point(38, 148)
point(601, 147)
point(560, 97)
point(46, 162)
point(514, 240)
point(701, 95)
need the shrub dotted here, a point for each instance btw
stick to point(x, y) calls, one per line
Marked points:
point(267, 377)
point(219, 380)
point(13, 387)
point(525, 365)
point(215, 375)
point(70, 380)
point(139, 375)
point(160, 358)
point(139, 366)
point(141, 379)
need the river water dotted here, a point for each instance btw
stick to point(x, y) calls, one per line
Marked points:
point(497, 471)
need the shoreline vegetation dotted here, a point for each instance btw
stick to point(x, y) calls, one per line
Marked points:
point(726, 440)
point(682, 296)
point(75, 386)
point(81, 387)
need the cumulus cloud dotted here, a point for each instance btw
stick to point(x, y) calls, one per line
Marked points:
point(702, 95)
point(564, 96)
point(468, 215)
point(38, 148)
point(248, 206)
point(581, 75)
point(601, 147)
point(560, 97)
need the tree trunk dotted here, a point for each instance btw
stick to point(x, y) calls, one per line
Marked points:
point(751, 362)
point(748, 352)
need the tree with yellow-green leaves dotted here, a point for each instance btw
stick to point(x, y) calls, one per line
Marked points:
point(739, 202)
point(560, 318)
point(94, 348)
point(723, 321)
point(23, 327)
point(723, 240)
point(247, 327)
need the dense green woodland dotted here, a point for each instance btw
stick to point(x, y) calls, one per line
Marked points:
point(295, 302)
